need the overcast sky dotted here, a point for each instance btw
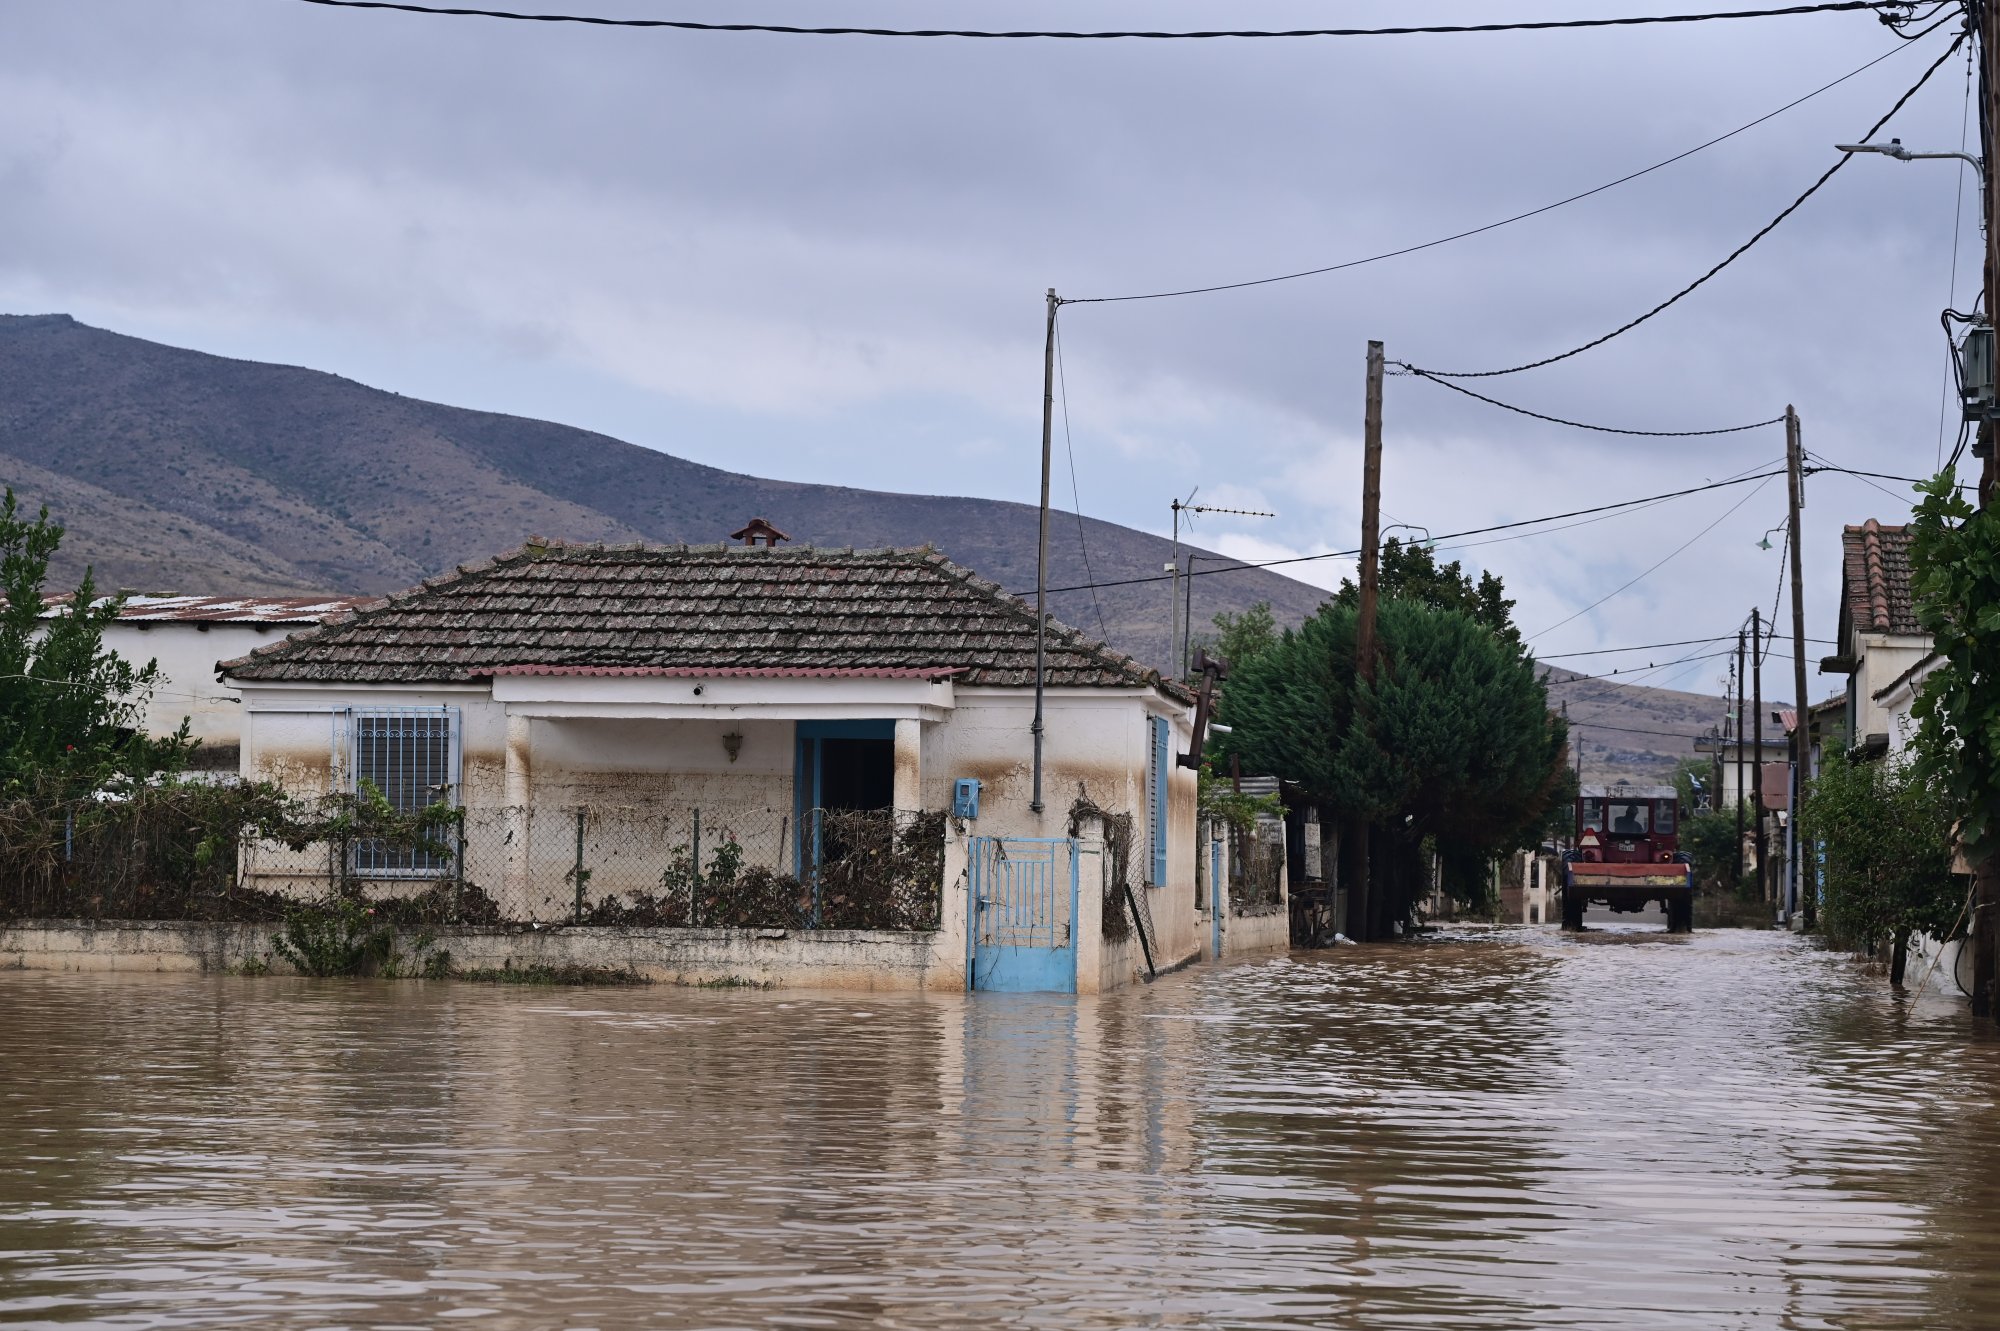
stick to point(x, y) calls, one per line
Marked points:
point(823, 258)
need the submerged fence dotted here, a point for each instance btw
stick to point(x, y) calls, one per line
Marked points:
point(221, 854)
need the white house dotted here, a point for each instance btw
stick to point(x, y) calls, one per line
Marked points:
point(186, 636)
point(621, 722)
point(1883, 650)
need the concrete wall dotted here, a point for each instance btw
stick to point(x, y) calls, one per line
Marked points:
point(1095, 743)
point(1880, 658)
point(827, 959)
point(187, 653)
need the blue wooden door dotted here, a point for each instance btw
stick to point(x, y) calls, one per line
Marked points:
point(1021, 922)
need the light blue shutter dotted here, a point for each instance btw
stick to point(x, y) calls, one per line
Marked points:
point(1161, 763)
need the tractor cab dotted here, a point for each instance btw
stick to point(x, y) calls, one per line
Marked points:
point(1627, 824)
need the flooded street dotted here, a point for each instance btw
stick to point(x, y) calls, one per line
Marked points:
point(1503, 1128)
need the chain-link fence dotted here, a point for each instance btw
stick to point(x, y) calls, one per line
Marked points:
point(249, 854)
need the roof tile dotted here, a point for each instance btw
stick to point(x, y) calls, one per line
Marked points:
point(702, 607)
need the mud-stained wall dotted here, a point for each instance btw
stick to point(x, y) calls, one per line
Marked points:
point(1095, 742)
point(829, 959)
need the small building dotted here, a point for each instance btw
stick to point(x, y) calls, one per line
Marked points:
point(691, 740)
point(1883, 651)
point(185, 636)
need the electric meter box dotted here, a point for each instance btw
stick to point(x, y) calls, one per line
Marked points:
point(967, 798)
point(1975, 373)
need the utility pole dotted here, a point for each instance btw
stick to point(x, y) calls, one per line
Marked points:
point(1802, 867)
point(1757, 742)
point(1042, 548)
point(1361, 913)
point(1982, 929)
point(1740, 787)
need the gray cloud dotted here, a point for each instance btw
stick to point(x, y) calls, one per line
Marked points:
point(824, 259)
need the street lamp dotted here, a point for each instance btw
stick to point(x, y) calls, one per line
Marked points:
point(1894, 148)
point(1975, 352)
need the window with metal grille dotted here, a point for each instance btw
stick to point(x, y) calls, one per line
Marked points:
point(411, 756)
point(1159, 762)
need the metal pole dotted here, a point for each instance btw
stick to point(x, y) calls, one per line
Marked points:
point(577, 872)
point(1802, 868)
point(1362, 921)
point(1042, 547)
point(1187, 620)
point(1741, 789)
point(1757, 741)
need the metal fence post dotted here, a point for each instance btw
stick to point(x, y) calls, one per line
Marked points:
point(694, 880)
point(577, 873)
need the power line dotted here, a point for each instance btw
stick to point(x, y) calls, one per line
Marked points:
point(1637, 730)
point(1076, 497)
point(1579, 425)
point(1732, 256)
point(1505, 221)
point(1448, 536)
point(1654, 568)
point(1884, 7)
point(1647, 647)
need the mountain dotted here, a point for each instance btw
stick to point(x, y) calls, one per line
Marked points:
point(175, 470)
point(1629, 732)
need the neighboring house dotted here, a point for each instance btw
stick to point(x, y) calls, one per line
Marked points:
point(187, 635)
point(1724, 788)
point(1883, 650)
point(600, 710)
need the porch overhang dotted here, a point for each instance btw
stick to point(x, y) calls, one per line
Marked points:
point(746, 693)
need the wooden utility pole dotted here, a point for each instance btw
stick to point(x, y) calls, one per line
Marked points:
point(1361, 914)
point(1042, 548)
point(1757, 743)
point(1741, 789)
point(1983, 929)
point(1802, 867)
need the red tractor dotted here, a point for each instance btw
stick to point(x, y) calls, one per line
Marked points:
point(1627, 855)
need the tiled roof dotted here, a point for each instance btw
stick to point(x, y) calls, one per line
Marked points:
point(1875, 579)
point(551, 604)
point(225, 609)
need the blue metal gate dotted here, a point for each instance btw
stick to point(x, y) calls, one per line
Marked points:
point(1215, 894)
point(1021, 924)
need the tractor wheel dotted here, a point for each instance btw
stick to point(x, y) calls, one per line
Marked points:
point(1572, 901)
point(1680, 915)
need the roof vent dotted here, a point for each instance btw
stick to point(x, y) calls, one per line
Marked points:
point(759, 532)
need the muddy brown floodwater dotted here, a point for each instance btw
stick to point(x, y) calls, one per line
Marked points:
point(1497, 1129)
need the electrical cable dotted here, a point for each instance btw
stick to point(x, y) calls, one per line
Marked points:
point(1492, 226)
point(1650, 646)
point(1076, 497)
point(1472, 531)
point(1634, 730)
point(1951, 290)
point(1732, 256)
point(1586, 522)
point(1677, 550)
point(1880, 7)
point(1579, 425)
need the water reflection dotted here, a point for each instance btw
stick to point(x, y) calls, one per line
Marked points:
point(1505, 1128)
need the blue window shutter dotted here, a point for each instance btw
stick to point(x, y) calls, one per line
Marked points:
point(1158, 768)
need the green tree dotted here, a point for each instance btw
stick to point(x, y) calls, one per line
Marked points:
point(1955, 583)
point(1694, 782)
point(70, 710)
point(1412, 573)
point(1239, 637)
point(1885, 828)
point(1452, 741)
point(1709, 838)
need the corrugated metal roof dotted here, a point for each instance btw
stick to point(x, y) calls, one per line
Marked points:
point(738, 672)
point(225, 609)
